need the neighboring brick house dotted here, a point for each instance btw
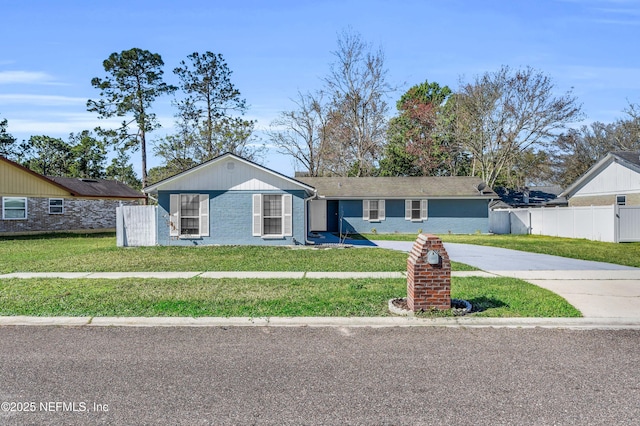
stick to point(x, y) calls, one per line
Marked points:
point(614, 180)
point(32, 203)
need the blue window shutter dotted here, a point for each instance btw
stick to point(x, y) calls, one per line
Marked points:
point(287, 201)
point(174, 215)
point(204, 215)
point(257, 215)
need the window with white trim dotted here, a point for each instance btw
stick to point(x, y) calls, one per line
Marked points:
point(56, 205)
point(272, 215)
point(189, 215)
point(373, 210)
point(14, 208)
point(415, 210)
point(621, 200)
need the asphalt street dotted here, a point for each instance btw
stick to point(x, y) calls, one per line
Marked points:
point(304, 375)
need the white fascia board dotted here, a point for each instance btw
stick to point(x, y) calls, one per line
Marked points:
point(153, 189)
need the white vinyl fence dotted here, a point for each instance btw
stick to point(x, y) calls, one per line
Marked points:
point(597, 223)
point(136, 226)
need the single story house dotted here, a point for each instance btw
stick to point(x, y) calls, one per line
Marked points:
point(614, 180)
point(439, 205)
point(33, 203)
point(230, 200)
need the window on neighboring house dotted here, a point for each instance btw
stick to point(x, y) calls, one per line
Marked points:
point(415, 210)
point(621, 200)
point(373, 210)
point(14, 208)
point(56, 205)
point(272, 215)
point(189, 215)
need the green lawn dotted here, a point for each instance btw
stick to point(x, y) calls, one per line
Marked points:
point(196, 297)
point(234, 297)
point(98, 253)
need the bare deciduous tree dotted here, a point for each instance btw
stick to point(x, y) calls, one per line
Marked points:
point(357, 88)
point(579, 149)
point(302, 133)
point(502, 114)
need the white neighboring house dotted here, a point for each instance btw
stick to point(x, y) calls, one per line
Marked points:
point(614, 180)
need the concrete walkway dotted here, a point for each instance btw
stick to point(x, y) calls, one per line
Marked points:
point(213, 274)
point(228, 274)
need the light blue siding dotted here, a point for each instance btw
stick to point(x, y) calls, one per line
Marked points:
point(230, 220)
point(444, 216)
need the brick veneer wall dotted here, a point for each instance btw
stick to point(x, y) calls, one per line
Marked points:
point(79, 215)
point(428, 286)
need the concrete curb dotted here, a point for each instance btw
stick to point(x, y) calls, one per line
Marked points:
point(373, 322)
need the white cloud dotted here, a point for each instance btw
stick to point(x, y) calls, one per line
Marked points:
point(26, 77)
point(40, 100)
point(55, 124)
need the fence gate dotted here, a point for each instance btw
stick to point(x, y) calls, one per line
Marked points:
point(628, 224)
point(136, 226)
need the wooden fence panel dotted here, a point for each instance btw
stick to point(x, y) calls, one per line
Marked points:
point(136, 226)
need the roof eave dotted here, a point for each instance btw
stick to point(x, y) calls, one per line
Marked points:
point(586, 176)
point(407, 197)
point(38, 175)
point(153, 189)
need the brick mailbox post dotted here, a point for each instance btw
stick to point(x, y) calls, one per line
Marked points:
point(428, 275)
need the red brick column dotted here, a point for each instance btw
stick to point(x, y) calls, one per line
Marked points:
point(428, 286)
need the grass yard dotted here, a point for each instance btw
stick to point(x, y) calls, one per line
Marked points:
point(197, 297)
point(98, 253)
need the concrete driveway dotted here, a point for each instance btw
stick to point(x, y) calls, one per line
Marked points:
point(597, 289)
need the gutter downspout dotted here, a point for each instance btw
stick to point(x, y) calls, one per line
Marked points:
point(306, 217)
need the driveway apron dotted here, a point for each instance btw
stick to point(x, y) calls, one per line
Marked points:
point(597, 289)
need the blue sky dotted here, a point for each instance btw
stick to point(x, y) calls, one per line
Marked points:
point(52, 49)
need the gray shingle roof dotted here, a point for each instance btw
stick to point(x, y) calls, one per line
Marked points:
point(399, 187)
point(97, 187)
point(631, 157)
